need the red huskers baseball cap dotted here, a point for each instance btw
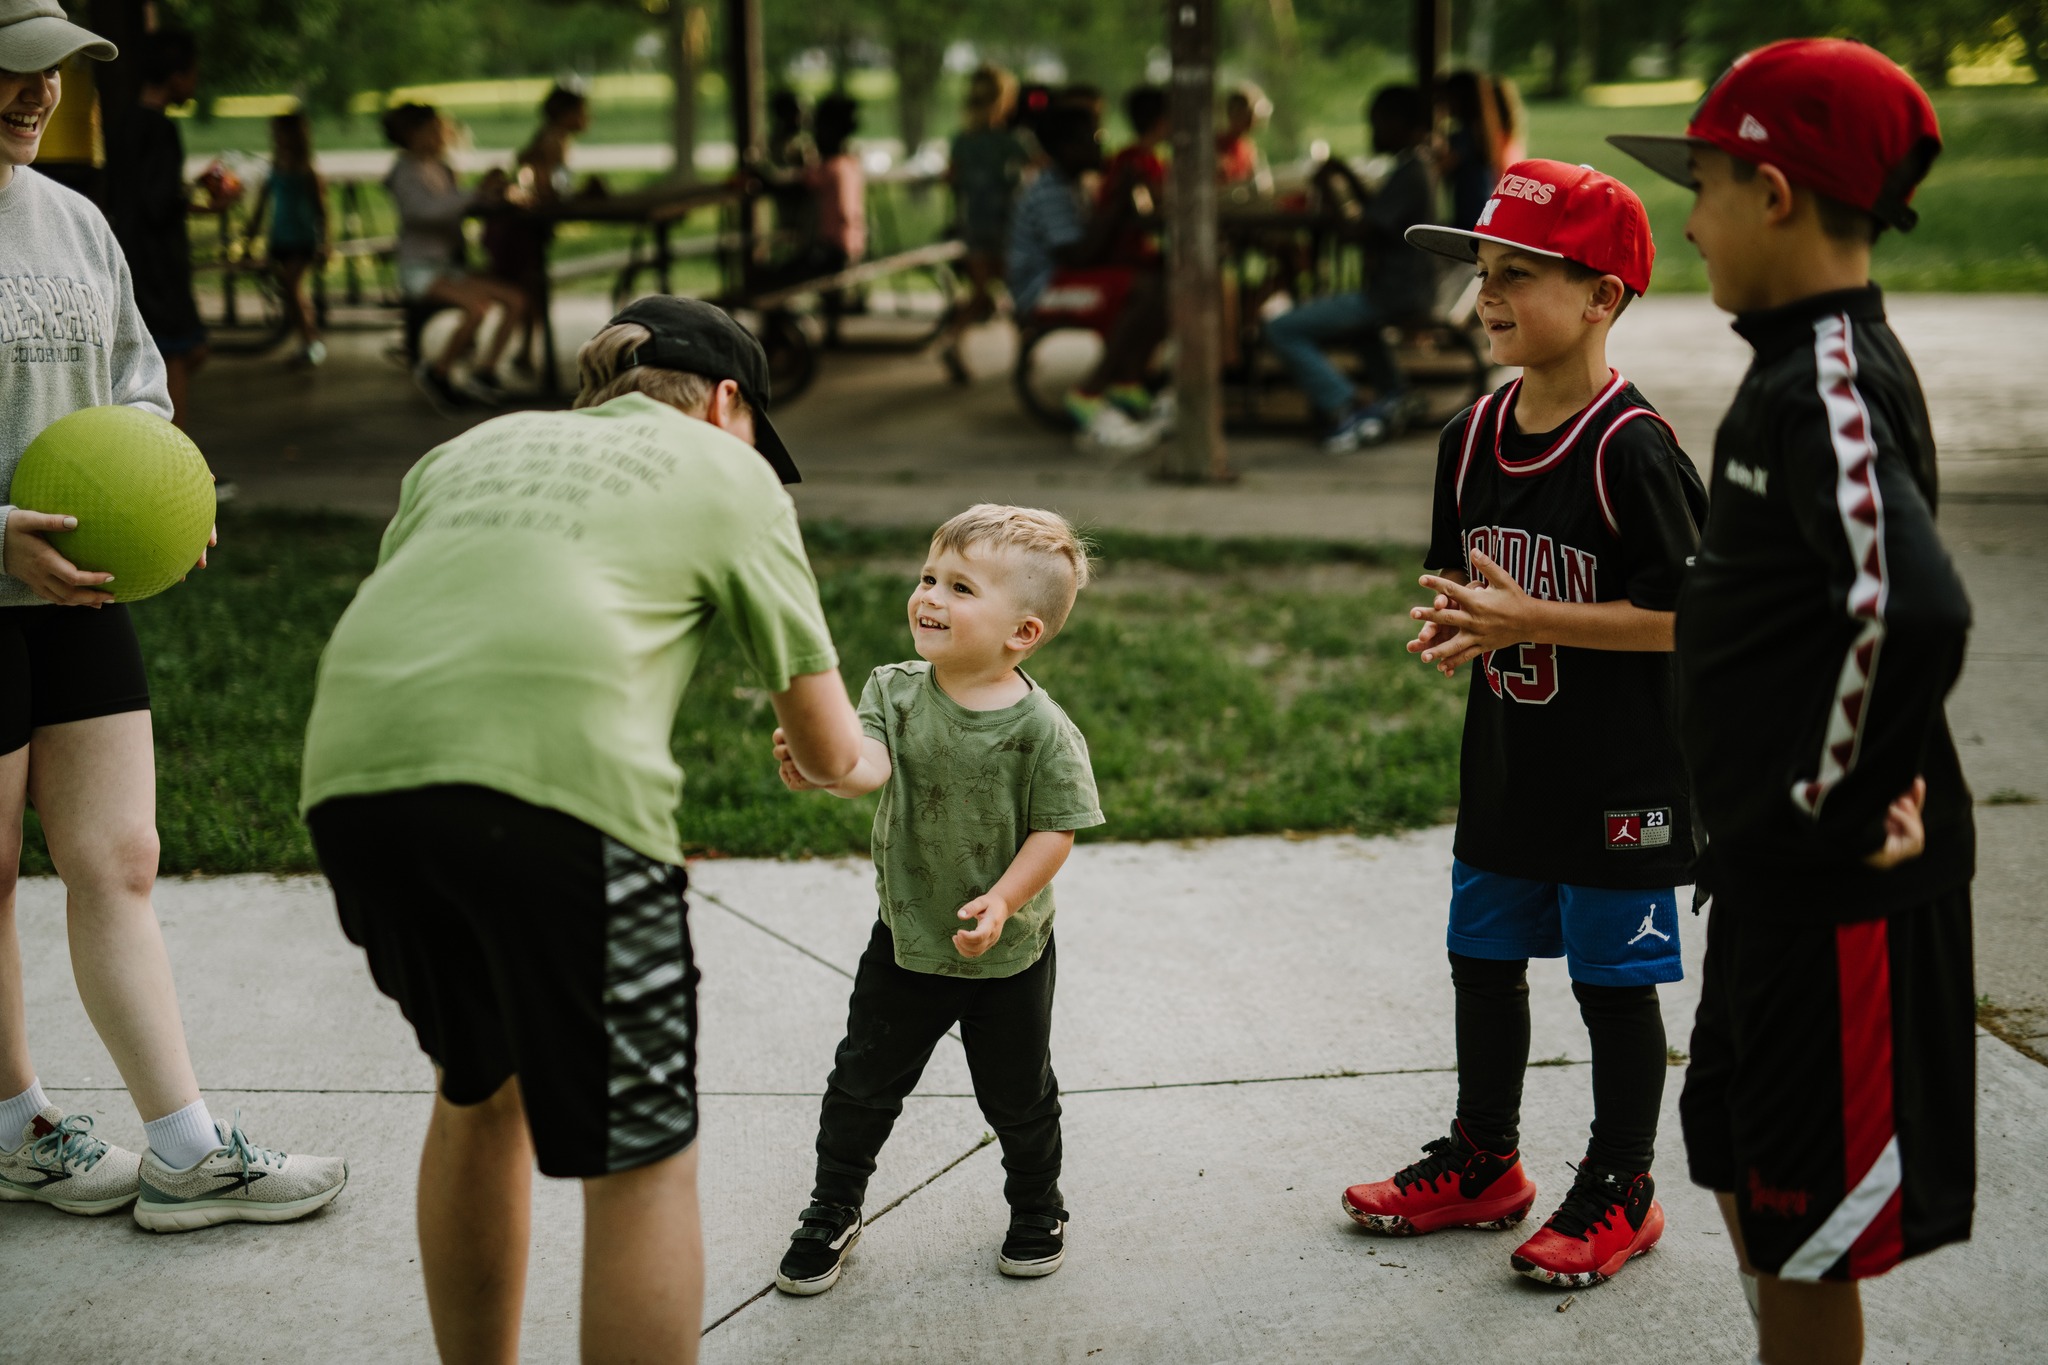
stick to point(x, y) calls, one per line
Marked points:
point(1833, 115)
point(1549, 208)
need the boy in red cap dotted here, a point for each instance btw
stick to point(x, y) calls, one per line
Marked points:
point(1566, 516)
point(1831, 1097)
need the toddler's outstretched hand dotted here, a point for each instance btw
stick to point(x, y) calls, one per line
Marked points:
point(990, 913)
point(786, 766)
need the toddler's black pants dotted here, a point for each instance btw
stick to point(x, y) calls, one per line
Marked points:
point(895, 1019)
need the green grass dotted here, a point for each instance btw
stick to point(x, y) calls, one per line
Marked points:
point(1226, 687)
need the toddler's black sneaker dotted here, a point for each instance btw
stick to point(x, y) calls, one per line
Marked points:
point(1036, 1244)
point(817, 1249)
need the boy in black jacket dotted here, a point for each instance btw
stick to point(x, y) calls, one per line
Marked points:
point(1830, 1102)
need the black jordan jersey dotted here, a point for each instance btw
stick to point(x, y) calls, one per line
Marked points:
point(1571, 770)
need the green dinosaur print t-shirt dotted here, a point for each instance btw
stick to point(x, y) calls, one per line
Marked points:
point(968, 788)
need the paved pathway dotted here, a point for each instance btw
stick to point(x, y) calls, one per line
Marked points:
point(1243, 1028)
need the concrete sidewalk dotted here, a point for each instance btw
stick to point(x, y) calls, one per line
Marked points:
point(1244, 1027)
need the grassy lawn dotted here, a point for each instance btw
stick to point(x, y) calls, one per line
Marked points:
point(1226, 687)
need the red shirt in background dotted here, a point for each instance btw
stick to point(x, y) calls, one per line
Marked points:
point(1136, 164)
point(1237, 159)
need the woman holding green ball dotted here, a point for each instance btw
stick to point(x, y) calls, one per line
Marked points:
point(75, 735)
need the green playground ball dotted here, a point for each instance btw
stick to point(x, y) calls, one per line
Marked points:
point(138, 486)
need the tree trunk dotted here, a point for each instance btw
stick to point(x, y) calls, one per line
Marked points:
point(919, 58)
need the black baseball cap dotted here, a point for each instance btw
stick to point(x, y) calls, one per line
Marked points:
point(701, 338)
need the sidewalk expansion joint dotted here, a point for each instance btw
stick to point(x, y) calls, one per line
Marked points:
point(986, 1139)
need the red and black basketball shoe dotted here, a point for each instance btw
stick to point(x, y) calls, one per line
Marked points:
point(1455, 1185)
point(1608, 1217)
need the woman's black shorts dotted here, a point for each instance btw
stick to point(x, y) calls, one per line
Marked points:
point(520, 941)
point(60, 664)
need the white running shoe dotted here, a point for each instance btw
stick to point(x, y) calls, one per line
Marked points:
point(1112, 432)
point(60, 1163)
point(237, 1182)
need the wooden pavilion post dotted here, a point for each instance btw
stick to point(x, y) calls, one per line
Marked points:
point(1432, 40)
point(685, 21)
point(1195, 296)
point(745, 79)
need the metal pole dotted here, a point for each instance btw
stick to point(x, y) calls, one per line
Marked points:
point(1196, 294)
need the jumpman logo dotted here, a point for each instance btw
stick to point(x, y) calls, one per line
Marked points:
point(1649, 929)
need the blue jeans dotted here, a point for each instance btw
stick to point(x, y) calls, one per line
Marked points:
point(1299, 334)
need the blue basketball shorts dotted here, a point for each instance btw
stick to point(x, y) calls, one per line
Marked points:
point(1606, 937)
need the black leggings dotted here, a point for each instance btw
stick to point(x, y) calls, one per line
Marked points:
point(895, 1019)
point(1629, 1061)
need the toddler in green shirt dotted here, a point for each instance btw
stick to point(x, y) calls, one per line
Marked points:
point(984, 781)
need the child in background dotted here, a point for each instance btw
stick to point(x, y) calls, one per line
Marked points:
point(1400, 283)
point(294, 208)
point(1240, 169)
point(839, 186)
point(986, 163)
point(984, 781)
point(839, 191)
point(1138, 169)
point(1053, 229)
point(517, 245)
point(1565, 520)
point(432, 255)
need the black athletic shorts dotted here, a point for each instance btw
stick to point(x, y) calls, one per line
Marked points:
point(520, 941)
point(1832, 1088)
point(60, 664)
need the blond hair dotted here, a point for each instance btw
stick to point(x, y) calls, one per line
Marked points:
point(1053, 555)
point(603, 374)
point(991, 93)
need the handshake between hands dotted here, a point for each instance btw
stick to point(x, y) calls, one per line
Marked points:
point(989, 912)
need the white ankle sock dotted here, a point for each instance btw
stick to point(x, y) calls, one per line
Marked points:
point(184, 1138)
point(16, 1113)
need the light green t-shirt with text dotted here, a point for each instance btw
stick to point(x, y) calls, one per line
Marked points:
point(966, 789)
point(539, 604)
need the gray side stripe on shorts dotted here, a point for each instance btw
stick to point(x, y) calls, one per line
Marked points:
point(647, 996)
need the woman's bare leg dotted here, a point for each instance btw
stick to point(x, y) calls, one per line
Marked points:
point(475, 1221)
point(94, 785)
point(643, 1264)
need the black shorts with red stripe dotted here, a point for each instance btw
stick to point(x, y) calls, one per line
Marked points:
point(1832, 1088)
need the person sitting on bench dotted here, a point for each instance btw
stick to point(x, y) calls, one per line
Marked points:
point(1052, 229)
point(430, 258)
point(1400, 282)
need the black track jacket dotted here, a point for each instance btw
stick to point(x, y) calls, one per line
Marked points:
point(1823, 624)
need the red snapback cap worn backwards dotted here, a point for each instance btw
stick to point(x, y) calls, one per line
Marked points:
point(1832, 114)
point(1551, 208)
